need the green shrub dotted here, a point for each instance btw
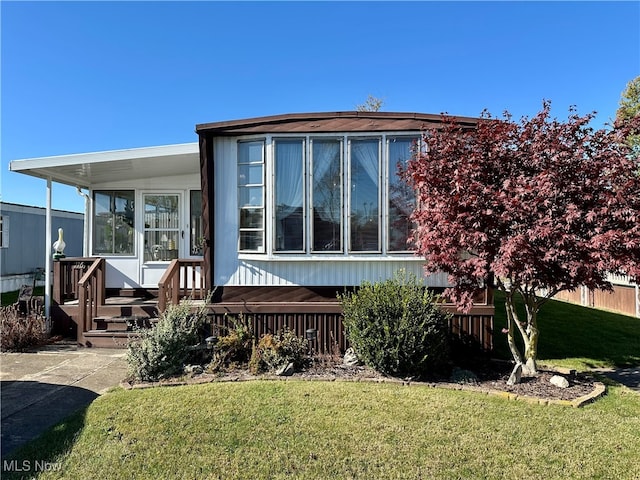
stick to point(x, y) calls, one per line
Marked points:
point(396, 327)
point(275, 351)
point(161, 351)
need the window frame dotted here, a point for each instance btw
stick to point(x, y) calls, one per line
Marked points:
point(340, 140)
point(269, 249)
point(113, 192)
point(262, 206)
point(196, 226)
point(274, 192)
point(350, 196)
point(416, 141)
point(4, 231)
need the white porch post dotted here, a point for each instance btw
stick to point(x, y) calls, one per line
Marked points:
point(85, 236)
point(47, 261)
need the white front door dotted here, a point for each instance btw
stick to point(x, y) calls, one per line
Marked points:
point(162, 234)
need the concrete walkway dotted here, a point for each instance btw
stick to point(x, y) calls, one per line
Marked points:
point(40, 389)
point(629, 377)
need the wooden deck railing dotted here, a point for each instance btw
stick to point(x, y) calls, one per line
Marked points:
point(67, 272)
point(91, 295)
point(183, 278)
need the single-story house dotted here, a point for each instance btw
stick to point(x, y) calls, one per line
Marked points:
point(274, 214)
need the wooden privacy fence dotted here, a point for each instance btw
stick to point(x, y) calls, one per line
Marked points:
point(330, 337)
point(624, 299)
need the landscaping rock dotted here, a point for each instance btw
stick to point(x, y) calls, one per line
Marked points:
point(516, 375)
point(285, 370)
point(460, 375)
point(193, 369)
point(350, 358)
point(559, 381)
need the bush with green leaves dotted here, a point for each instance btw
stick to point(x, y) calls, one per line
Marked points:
point(161, 351)
point(275, 351)
point(396, 327)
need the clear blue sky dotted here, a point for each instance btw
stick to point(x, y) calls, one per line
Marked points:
point(80, 77)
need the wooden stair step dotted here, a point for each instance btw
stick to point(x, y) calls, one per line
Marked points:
point(121, 323)
point(105, 339)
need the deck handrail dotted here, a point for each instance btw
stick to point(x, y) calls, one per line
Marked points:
point(180, 280)
point(91, 294)
point(67, 272)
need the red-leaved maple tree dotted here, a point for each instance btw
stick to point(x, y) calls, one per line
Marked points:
point(531, 208)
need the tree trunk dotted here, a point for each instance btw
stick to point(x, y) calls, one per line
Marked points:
point(529, 333)
point(532, 334)
point(511, 320)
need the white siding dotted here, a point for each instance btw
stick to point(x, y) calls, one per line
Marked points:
point(321, 272)
point(130, 271)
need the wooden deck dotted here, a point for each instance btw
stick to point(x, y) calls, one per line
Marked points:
point(84, 309)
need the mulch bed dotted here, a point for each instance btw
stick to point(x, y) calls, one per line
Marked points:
point(538, 386)
point(491, 377)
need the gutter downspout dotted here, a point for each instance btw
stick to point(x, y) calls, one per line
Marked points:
point(85, 233)
point(47, 261)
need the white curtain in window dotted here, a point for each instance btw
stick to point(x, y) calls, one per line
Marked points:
point(289, 177)
point(365, 195)
point(365, 154)
point(326, 164)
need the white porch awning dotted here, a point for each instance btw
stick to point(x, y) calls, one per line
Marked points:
point(87, 169)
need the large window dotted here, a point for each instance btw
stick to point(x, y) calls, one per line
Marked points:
point(364, 205)
point(251, 196)
point(324, 195)
point(401, 198)
point(113, 222)
point(289, 195)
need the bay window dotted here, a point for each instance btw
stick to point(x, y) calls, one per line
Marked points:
point(336, 195)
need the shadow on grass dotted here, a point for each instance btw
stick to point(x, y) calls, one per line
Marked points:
point(597, 338)
point(40, 423)
point(45, 452)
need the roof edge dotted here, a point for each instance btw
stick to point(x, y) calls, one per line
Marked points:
point(292, 117)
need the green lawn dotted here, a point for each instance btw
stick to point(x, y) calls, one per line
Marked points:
point(336, 430)
point(577, 337)
point(9, 298)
